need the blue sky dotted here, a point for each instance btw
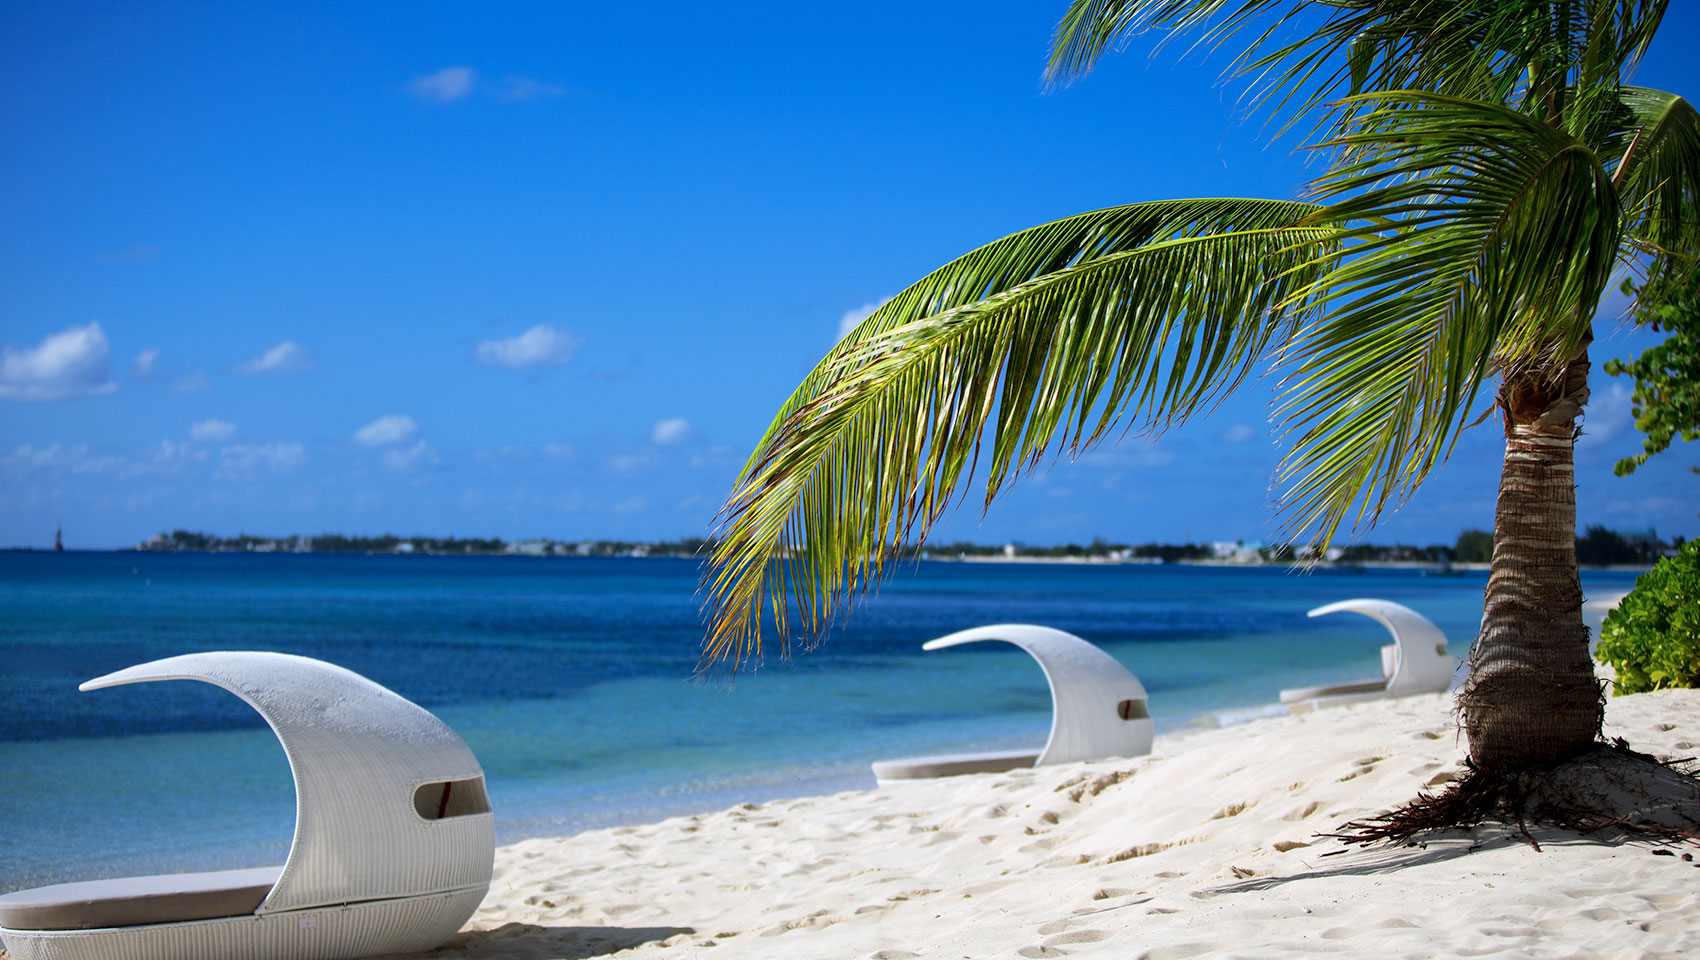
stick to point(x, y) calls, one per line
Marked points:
point(547, 269)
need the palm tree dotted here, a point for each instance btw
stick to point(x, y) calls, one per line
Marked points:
point(1489, 170)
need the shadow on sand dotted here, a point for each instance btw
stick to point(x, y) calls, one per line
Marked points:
point(528, 941)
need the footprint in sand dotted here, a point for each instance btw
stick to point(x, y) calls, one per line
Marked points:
point(1078, 936)
point(1304, 814)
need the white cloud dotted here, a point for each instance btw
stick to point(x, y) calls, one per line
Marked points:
point(217, 431)
point(631, 505)
point(191, 383)
point(446, 85)
point(1237, 434)
point(852, 318)
point(285, 357)
point(540, 345)
point(418, 455)
point(142, 366)
point(70, 363)
point(559, 451)
point(670, 431)
point(239, 458)
point(1609, 413)
point(518, 89)
point(388, 429)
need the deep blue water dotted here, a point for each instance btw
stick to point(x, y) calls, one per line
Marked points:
point(570, 678)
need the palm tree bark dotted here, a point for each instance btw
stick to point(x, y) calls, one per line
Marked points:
point(1532, 698)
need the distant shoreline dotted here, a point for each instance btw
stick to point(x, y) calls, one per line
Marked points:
point(1345, 567)
point(1231, 564)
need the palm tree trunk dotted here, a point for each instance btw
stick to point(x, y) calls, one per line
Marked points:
point(1532, 698)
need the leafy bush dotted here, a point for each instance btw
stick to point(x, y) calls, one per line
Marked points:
point(1652, 639)
point(1667, 376)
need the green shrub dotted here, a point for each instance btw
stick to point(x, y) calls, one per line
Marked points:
point(1652, 639)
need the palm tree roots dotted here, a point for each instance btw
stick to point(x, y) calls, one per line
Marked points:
point(1611, 790)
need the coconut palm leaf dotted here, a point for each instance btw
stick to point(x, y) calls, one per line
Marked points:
point(1041, 342)
point(1657, 172)
point(1019, 258)
point(1567, 53)
point(1481, 241)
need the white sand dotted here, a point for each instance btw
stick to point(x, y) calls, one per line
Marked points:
point(1208, 848)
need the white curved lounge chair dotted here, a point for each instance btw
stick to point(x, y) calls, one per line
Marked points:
point(1098, 708)
point(1415, 662)
point(393, 848)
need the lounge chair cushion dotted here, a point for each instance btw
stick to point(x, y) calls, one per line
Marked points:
point(138, 901)
point(1338, 690)
point(953, 764)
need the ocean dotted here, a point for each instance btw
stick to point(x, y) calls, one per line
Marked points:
point(571, 679)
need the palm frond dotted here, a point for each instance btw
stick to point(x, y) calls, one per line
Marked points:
point(1570, 53)
point(1482, 242)
point(1658, 174)
point(1046, 341)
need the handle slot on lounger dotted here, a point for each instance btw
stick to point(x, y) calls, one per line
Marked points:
point(450, 798)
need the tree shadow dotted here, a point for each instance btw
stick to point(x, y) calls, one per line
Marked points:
point(1389, 859)
point(1371, 861)
point(528, 941)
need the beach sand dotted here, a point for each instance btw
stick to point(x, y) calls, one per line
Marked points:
point(1207, 848)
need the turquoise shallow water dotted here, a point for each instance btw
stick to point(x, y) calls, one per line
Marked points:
point(570, 679)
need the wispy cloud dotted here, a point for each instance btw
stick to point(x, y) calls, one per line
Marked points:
point(718, 455)
point(388, 429)
point(412, 458)
point(1610, 412)
point(245, 458)
point(1136, 455)
point(853, 318)
point(191, 383)
point(286, 357)
point(631, 505)
point(670, 431)
point(516, 89)
point(142, 366)
point(1237, 434)
point(81, 460)
point(215, 430)
point(446, 85)
point(71, 363)
point(627, 464)
point(140, 253)
point(542, 345)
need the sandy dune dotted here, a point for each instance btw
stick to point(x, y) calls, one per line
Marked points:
point(1208, 848)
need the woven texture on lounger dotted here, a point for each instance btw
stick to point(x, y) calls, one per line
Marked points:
point(1098, 707)
point(393, 845)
